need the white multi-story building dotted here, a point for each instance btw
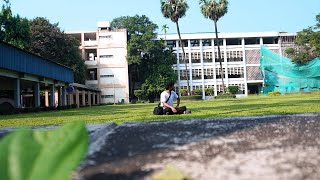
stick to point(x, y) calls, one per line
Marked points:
point(104, 52)
point(240, 53)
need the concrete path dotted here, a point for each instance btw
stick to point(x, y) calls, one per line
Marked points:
point(264, 147)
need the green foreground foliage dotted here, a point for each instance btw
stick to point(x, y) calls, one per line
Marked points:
point(250, 106)
point(39, 154)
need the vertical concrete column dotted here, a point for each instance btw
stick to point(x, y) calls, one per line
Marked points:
point(64, 96)
point(37, 95)
point(17, 94)
point(70, 99)
point(52, 94)
point(56, 97)
point(202, 70)
point(94, 98)
point(190, 67)
point(60, 96)
point(225, 65)
point(89, 98)
point(244, 67)
point(77, 98)
point(46, 98)
point(98, 98)
point(83, 92)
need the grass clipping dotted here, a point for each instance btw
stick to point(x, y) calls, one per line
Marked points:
point(170, 172)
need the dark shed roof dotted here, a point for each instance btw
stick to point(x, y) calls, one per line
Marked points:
point(16, 59)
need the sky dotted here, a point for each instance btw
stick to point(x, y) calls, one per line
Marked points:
point(242, 16)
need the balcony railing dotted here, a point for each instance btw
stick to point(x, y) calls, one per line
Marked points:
point(90, 43)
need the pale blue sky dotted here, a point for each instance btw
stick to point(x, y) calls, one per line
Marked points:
point(243, 15)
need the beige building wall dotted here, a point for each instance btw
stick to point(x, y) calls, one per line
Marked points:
point(104, 52)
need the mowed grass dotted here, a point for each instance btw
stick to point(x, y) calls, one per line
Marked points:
point(248, 106)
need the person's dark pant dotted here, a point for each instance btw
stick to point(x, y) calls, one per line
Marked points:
point(180, 110)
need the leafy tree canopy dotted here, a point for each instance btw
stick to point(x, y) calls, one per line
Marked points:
point(13, 29)
point(157, 68)
point(174, 9)
point(48, 41)
point(141, 33)
point(307, 44)
point(214, 9)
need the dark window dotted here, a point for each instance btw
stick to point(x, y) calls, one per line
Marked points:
point(195, 43)
point(206, 42)
point(220, 42)
point(109, 75)
point(251, 41)
point(171, 44)
point(270, 40)
point(106, 37)
point(106, 56)
point(184, 42)
point(106, 96)
point(233, 41)
point(92, 74)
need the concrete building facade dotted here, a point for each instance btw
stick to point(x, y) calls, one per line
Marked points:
point(240, 53)
point(104, 51)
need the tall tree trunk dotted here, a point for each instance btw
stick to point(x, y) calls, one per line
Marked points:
point(184, 58)
point(219, 56)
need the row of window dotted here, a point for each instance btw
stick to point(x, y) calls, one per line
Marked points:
point(108, 75)
point(93, 37)
point(106, 56)
point(219, 87)
point(229, 41)
point(105, 37)
point(232, 56)
point(107, 96)
point(233, 72)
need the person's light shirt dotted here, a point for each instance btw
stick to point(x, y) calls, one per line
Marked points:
point(164, 96)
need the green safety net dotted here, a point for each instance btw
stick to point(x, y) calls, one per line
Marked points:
point(281, 75)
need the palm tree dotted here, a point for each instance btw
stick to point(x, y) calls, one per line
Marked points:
point(165, 30)
point(174, 10)
point(214, 10)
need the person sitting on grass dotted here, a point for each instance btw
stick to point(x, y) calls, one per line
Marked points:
point(167, 97)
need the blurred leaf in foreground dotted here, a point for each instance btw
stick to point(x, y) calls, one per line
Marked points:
point(51, 154)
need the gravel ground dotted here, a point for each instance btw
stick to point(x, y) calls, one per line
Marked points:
point(265, 147)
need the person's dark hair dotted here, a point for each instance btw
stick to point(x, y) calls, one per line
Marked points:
point(169, 85)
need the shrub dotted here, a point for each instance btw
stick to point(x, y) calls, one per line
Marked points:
point(138, 94)
point(233, 89)
point(74, 106)
point(197, 92)
point(276, 93)
point(183, 92)
point(141, 101)
point(209, 91)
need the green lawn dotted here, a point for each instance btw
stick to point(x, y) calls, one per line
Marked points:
point(250, 106)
